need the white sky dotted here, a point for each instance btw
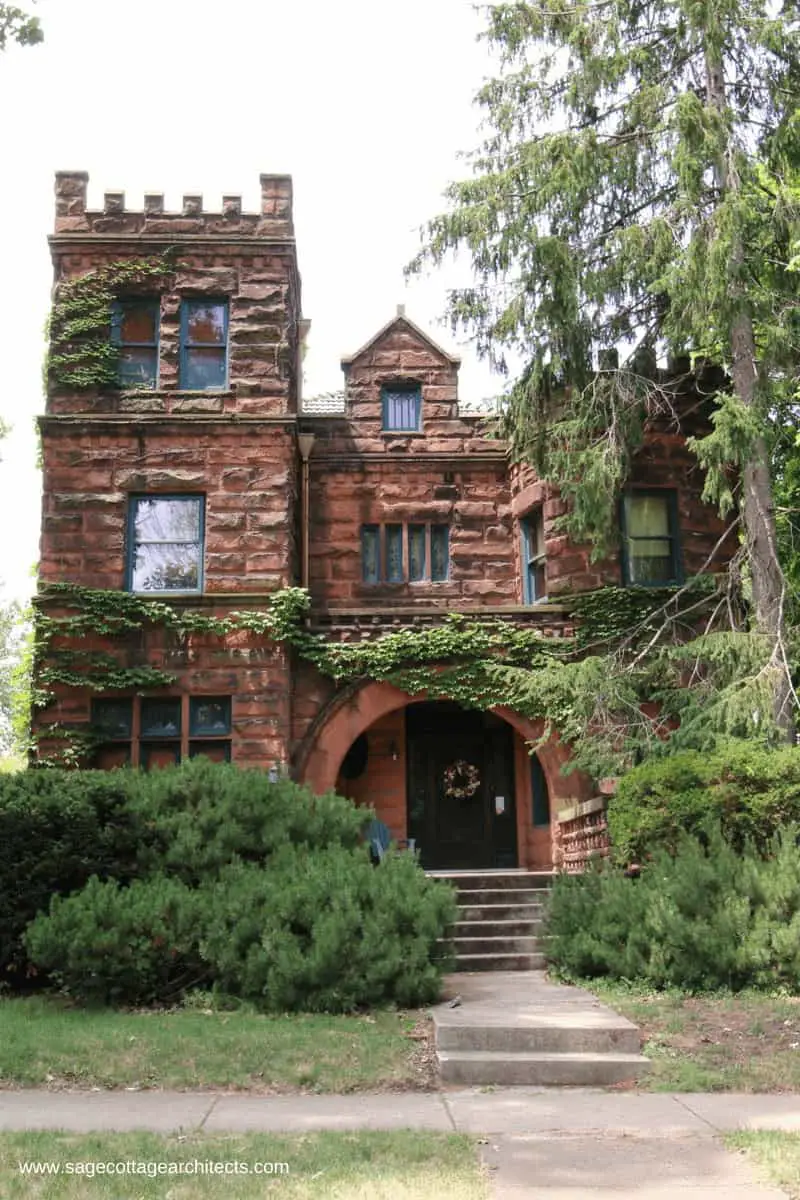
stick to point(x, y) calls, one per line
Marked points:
point(365, 103)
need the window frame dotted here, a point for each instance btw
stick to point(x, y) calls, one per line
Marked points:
point(531, 559)
point(185, 345)
point(381, 533)
point(673, 524)
point(401, 387)
point(117, 315)
point(131, 543)
point(185, 743)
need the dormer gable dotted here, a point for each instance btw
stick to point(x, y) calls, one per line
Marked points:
point(401, 381)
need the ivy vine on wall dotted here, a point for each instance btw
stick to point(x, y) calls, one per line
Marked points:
point(82, 355)
point(480, 663)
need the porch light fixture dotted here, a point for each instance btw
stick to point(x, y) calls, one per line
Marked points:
point(393, 750)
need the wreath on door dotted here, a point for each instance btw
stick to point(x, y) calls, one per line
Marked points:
point(461, 780)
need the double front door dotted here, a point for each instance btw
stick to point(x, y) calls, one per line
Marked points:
point(460, 787)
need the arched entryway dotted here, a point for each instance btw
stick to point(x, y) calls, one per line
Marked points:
point(396, 753)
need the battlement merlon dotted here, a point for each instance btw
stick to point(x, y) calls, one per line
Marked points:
point(114, 221)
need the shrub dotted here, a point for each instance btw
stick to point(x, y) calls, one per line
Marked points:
point(136, 944)
point(201, 816)
point(326, 931)
point(751, 792)
point(709, 916)
point(58, 828)
point(317, 930)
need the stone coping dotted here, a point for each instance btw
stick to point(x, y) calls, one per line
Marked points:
point(583, 809)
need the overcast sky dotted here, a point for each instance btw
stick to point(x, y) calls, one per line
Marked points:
point(366, 104)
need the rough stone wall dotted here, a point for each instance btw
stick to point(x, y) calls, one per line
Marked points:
point(449, 473)
point(252, 671)
point(246, 473)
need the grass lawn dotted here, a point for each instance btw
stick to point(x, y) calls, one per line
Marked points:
point(777, 1154)
point(749, 1042)
point(336, 1166)
point(46, 1042)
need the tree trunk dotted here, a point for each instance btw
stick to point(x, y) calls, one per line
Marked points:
point(758, 510)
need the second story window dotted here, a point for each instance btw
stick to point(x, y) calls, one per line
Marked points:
point(405, 553)
point(650, 548)
point(204, 345)
point(134, 329)
point(534, 584)
point(165, 544)
point(401, 406)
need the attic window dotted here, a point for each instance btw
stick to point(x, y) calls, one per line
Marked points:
point(401, 405)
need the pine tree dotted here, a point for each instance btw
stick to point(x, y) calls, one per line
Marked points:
point(637, 190)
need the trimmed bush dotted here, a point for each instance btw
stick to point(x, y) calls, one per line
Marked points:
point(707, 917)
point(207, 875)
point(201, 816)
point(326, 931)
point(316, 930)
point(749, 791)
point(57, 829)
point(109, 944)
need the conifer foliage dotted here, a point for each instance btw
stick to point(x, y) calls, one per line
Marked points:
point(636, 198)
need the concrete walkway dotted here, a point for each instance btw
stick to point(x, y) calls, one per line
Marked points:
point(555, 1112)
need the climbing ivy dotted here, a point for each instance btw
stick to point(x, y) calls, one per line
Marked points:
point(480, 663)
point(82, 353)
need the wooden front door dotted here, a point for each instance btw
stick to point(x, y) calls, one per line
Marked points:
point(461, 808)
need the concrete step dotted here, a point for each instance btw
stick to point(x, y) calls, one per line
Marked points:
point(484, 896)
point(500, 962)
point(466, 946)
point(581, 1033)
point(500, 912)
point(496, 928)
point(495, 880)
point(539, 1070)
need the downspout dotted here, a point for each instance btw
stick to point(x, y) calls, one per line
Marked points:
point(305, 443)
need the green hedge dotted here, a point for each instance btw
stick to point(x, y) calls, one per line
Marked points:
point(205, 875)
point(749, 791)
point(708, 916)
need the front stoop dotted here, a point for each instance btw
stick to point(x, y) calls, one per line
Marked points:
point(519, 1029)
point(499, 919)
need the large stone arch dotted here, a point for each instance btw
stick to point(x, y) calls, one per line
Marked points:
point(346, 717)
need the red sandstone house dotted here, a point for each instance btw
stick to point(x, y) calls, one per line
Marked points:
point(204, 477)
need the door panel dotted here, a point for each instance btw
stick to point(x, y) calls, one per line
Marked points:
point(468, 830)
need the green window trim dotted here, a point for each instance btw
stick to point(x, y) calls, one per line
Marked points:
point(540, 795)
point(633, 568)
point(204, 361)
point(395, 554)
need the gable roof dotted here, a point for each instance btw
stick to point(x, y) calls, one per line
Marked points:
point(400, 318)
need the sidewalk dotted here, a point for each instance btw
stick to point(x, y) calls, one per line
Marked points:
point(568, 1113)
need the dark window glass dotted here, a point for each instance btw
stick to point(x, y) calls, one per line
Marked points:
point(650, 538)
point(416, 552)
point(161, 718)
point(134, 328)
point(107, 758)
point(394, 553)
point(204, 344)
point(539, 793)
point(440, 553)
point(209, 716)
point(216, 751)
point(166, 550)
point(370, 553)
point(113, 718)
point(159, 754)
point(402, 409)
